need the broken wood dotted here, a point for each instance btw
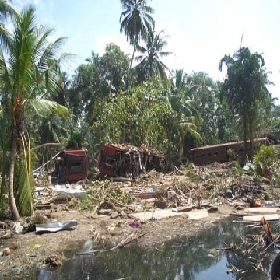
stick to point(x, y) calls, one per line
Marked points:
point(128, 240)
point(45, 145)
point(42, 166)
point(178, 171)
point(97, 207)
point(184, 209)
point(273, 242)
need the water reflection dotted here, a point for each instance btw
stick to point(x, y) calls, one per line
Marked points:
point(192, 258)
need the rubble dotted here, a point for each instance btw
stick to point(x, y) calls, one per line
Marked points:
point(183, 190)
point(54, 261)
point(123, 211)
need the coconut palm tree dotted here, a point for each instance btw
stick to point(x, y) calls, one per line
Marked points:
point(184, 106)
point(6, 13)
point(136, 21)
point(150, 56)
point(24, 72)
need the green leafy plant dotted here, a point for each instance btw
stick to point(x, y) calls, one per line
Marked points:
point(104, 194)
point(266, 157)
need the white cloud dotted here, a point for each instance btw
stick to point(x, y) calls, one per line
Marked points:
point(200, 35)
point(119, 40)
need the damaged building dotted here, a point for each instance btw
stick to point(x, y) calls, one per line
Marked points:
point(123, 160)
point(219, 153)
point(71, 166)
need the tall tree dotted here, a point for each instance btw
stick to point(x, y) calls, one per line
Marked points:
point(101, 77)
point(187, 113)
point(136, 21)
point(245, 88)
point(142, 117)
point(204, 92)
point(6, 13)
point(150, 56)
point(23, 73)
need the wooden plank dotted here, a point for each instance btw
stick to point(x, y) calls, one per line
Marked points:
point(42, 206)
point(257, 218)
point(146, 195)
point(184, 209)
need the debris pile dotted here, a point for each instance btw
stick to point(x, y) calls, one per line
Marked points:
point(124, 160)
point(120, 199)
point(103, 194)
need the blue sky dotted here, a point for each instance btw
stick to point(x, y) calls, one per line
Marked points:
point(200, 32)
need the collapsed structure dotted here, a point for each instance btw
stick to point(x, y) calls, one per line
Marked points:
point(123, 160)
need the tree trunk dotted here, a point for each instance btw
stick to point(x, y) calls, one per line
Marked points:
point(129, 76)
point(13, 207)
point(245, 147)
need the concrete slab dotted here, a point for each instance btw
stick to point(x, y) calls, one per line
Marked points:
point(261, 210)
point(258, 218)
point(256, 211)
point(166, 213)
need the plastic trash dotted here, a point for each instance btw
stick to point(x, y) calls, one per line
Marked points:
point(134, 224)
point(55, 227)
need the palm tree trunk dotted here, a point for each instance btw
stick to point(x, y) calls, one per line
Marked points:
point(132, 57)
point(13, 207)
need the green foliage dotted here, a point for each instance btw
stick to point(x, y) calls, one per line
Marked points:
point(98, 80)
point(76, 141)
point(236, 169)
point(150, 57)
point(25, 187)
point(26, 73)
point(245, 89)
point(231, 154)
point(136, 20)
point(266, 157)
point(103, 193)
point(227, 122)
point(142, 117)
point(204, 91)
point(193, 176)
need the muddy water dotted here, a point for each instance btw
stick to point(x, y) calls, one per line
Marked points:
point(200, 257)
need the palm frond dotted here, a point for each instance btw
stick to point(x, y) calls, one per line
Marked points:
point(50, 52)
point(26, 182)
point(5, 37)
point(43, 107)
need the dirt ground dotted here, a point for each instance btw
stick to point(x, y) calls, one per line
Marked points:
point(23, 251)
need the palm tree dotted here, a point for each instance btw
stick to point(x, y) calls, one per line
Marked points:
point(6, 12)
point(24, 72)
point(184, 106)
point(136, 21)
point(180, 95)
point(150, 58)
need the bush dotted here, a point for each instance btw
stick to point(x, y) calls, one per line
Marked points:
point(266, 157)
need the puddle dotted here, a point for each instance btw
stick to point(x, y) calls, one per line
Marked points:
point(195, 258)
